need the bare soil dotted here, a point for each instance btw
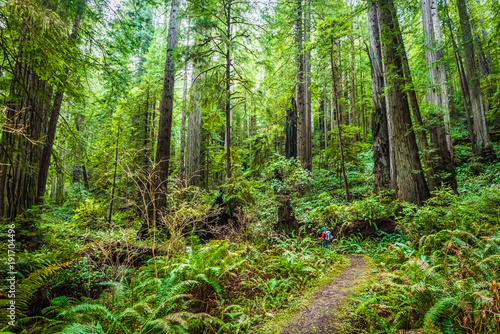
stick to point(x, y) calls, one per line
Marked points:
point(320, 315)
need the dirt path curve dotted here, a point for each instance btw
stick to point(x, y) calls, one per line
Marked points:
point(319, 316)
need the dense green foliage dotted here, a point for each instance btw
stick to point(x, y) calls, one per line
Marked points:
point(440, 272)
point(234, 244)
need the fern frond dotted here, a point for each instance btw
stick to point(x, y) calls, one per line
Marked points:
point(444, 307)
point(77, 328)
point(26, 289)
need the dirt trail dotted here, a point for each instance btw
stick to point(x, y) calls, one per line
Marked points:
point(319, 316)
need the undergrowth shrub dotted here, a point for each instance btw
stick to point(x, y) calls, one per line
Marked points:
point(367, 209)
point(450, 284)
point(443, 273)
point(220, 287)
point(79, 279)
point(476, 213)
point(90, 213)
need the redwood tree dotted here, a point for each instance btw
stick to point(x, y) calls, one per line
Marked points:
point(166, 106)
point(380, 132)
point(481, 133)
point(412, 184)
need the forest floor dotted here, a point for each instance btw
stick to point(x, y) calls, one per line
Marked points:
point(323, 314)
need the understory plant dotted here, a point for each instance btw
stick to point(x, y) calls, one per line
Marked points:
point(219, 287)
point(442, 275)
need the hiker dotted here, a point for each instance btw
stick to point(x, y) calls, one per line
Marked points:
point(326, 238)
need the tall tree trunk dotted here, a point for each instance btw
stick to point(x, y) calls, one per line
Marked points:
point(321, 123)
point(325, 111)
point(413, 187)
point(307, 104)
point(228, 87)
point(333, 105)
point(78, 170)
point(488, 53)
point(183, 122)
point(44, 164)
point(299, 88)
point(114, 175)
point(380, 132)
point(464, 87)
point(354, 115)
point(27, 110)
point(421, 132)
point(438, 97)
point(193, 149)
point(363, 113)
point(162, 158)
point(482, 136)
point(435, 60)
point(339, 132)
point(147, 134)
point(428, 156)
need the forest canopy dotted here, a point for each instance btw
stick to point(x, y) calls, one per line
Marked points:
point(167, 166)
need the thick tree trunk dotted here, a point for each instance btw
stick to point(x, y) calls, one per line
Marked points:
point(412, 186)
point(380, 132)
point(482, 136)
point(438, 98)
point(421, 132)
point(25, 156)
point(162, 158)
point(444, 96)
point(28, 110)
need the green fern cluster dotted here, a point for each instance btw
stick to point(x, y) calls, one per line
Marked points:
point(240, 285)
point(219, 287)
point(152, 306)
point(450, 283)
point(24, 292)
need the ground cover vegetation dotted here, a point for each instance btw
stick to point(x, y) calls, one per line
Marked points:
point(166, 166)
